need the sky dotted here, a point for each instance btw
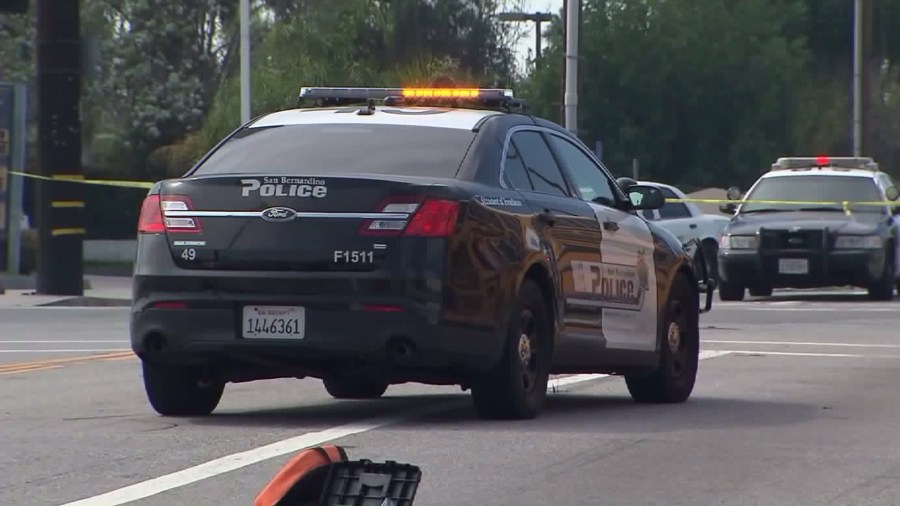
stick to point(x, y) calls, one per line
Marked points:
point(527, 41)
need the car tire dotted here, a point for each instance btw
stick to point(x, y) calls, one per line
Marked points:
point(679, 351)
point(517, 386)
point(730, 291)
point(355, 388)
point(760, 291)
point(180, 390)
point(884, 288)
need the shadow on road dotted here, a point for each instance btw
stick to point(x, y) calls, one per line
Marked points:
point(568, 412)
point(813, 296)
point(327, 413)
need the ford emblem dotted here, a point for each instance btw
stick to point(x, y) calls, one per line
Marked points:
point(277, 214)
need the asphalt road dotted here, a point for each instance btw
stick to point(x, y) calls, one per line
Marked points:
point(804, 408)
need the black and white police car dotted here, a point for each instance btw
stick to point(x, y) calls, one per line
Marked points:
point(383, 236)
point(813, 223)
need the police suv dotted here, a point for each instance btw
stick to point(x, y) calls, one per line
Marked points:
point(812, 223)
point(383, 236)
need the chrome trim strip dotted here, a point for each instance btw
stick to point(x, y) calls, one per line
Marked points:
point(258, 214)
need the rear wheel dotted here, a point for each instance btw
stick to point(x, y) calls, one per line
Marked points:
point(355, 388)
point(180, 390)
point(730, 291)
point(673, 381)
point(517, 386)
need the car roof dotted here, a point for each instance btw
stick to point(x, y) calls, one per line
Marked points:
point(438, 117)
point(824, 171)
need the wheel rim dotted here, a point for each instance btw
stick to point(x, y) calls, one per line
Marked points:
point(675, 339)
point(528, 349)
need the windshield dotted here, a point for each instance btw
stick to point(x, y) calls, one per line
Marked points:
point(812, 189)
point(342, 149)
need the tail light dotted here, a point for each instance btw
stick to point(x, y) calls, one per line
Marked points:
point(154, 217)
point(432, 218)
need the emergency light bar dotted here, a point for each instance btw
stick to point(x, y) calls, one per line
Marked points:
point(477, 98)
point(841, 162)
point(386, 93)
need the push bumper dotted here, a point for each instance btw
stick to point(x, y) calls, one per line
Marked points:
point(801, 269)
point(705, 282)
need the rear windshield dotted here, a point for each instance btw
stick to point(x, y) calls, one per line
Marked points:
point(342, 149)
point(814, 188)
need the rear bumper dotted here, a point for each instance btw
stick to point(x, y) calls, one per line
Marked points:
point(400, 328)
point(825, 268)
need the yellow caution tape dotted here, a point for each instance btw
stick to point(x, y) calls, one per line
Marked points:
point(147, 185)
point(80, 179)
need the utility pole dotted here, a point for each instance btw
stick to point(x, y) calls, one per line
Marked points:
point(571, 94)
point(869, 77)
point(857, 76)
point(245, 61)
point(60, 202)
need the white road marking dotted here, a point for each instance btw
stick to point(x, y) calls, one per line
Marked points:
point(848, 309)
point(67, 308)
point(236, 461)
point(31, 341)
point(800, 354)
point(804, 343)
point(82, 350)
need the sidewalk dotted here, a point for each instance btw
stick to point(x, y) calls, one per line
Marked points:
point(99, 291)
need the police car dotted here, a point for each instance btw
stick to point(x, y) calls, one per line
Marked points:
point(382, 236)
point(813, 223)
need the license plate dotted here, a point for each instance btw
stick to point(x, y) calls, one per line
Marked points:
point(793, 266)
point(274, 322)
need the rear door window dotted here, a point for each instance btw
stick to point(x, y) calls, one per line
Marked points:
point(515, 174)
point(544, 173)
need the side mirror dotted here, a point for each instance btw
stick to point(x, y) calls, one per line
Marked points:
point(624, 183)
point(729, 208)
point(892, 193)
point(734, 193)
point(645, 197)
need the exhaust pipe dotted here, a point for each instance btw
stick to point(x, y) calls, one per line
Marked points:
point(400, 349)
point(155, 343)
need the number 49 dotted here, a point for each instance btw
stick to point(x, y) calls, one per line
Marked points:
point(189, 254)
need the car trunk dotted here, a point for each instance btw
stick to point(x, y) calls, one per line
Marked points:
point(282, 222)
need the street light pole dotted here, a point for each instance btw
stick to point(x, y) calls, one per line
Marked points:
point(857, 76)
point(245, 61)
point(571, 97)
point(537, 17)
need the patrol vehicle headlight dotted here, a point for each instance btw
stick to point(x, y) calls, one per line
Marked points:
point(738, 242)
point(858, 242)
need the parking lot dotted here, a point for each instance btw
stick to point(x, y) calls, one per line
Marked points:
point(796, 402)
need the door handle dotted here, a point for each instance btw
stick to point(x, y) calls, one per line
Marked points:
point(610, 225)
point(693, 225)
point(547, 217)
